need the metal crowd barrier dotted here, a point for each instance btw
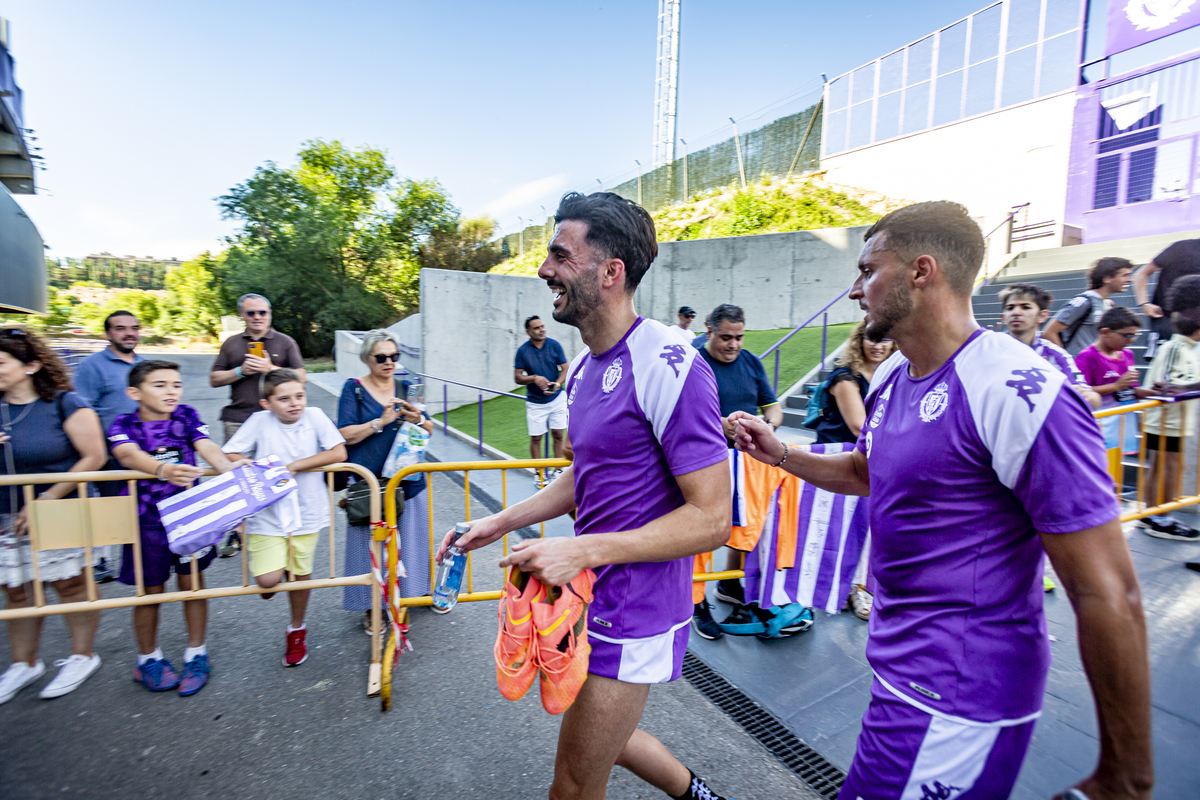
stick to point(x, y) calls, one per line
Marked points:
point(90, 522)
point(1179, 412)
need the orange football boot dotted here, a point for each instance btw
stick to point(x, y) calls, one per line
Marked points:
point(562, 644)
point(516, 664)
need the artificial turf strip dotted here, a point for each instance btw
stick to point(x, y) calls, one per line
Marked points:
point(504, 417)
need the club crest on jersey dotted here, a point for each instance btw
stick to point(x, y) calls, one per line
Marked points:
point(933, 404)
point(1027, 383)
point(612, 376)
point(575, 385)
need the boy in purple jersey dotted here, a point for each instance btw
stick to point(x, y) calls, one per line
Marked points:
point(978, 458)
point(163, 437)
point(650, 482)
point(1024, 307)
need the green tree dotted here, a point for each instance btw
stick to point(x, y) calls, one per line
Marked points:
point(466, 247)
point(330, 241)
point(193, 303)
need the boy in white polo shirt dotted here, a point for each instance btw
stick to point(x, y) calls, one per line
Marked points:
point(284, 536)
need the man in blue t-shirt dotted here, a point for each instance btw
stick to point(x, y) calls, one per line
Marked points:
point(541, 367)
point(742, 385)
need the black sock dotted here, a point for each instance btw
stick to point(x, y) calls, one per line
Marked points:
point(697, 790)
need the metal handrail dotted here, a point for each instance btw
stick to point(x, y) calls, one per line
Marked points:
point(775, 347)
point(480, 389)
point(470, 385)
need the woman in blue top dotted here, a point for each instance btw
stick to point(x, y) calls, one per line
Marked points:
point(371, 412)
point(44, 427)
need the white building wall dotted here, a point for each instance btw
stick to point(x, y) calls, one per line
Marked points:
point(988, 163)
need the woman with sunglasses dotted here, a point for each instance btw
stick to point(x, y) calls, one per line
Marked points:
point(371, 411)
point(44, 427)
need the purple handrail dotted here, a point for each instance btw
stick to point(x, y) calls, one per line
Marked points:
point(775, 347)
point(446, 403)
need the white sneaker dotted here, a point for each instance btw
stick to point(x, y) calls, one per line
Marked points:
point(17, 677)
point(75, 670)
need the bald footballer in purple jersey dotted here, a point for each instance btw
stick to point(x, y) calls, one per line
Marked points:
point(978, 457)
point(1023, 308)
point(650, 483)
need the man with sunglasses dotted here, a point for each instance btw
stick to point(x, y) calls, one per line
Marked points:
point(683, 329)
point(239, 368)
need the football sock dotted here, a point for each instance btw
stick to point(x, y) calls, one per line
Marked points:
point(192, 652)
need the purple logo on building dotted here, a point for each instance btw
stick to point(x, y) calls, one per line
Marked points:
point(1135, 22)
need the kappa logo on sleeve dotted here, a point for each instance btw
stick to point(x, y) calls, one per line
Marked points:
point(118, 437)
point(674, 354)
point(1027, 383)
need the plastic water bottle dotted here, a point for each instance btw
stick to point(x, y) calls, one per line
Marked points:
point(450, 573)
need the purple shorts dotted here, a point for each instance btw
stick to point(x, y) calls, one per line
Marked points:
point(158, 561)
point(905, 753)
point(655, 659)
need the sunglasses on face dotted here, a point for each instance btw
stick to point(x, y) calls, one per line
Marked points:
point(383, 359)
point(256, 313)
point(14, 333)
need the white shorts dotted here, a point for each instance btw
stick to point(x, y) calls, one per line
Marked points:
point(552, 415)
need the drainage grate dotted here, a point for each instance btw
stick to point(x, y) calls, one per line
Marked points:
point(812, 768)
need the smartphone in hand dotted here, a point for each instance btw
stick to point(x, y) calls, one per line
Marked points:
point(256, 349)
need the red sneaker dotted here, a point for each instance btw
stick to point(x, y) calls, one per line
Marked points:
point(297, 651)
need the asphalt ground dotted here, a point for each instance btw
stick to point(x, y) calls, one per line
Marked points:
point(259, 729)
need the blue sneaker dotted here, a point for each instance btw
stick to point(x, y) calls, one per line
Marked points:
point(195, 676)
point(157, 675)
point(787, 620)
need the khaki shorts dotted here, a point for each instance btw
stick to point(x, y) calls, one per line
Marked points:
point(269, 553)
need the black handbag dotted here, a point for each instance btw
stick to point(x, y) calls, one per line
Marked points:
point(358, 503)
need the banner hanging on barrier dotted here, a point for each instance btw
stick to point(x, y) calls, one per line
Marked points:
point(1135, 22)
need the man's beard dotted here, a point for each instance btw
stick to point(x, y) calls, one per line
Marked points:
point(897, 305)
point(582, 299)
point(124, 349)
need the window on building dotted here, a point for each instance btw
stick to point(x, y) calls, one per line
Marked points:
point(1108, 175)
point(916, 108)
point(947, 104)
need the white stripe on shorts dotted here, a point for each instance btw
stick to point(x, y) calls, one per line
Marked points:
point(951, 755)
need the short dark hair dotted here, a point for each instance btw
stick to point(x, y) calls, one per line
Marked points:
point(1118, 318)
point(1105, 268)
point(142, 369)
point(616, 227)
point(941, 229)
point(272, 380)
point(1040, 296)
point(529, 320)
point(117, 314)
point(1184, 294)
point(726, 312)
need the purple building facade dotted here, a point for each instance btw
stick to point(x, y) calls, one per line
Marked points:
point(1135, 143)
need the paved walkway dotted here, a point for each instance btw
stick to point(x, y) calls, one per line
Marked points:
point(261, 730)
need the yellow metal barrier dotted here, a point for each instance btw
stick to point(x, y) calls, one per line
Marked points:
point(1160, 415)
point(398, 605)
point(88, 522)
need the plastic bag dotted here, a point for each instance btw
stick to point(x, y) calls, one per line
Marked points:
point(407, 449)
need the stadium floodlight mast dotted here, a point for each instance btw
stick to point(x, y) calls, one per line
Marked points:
point(639, 166)
point(666, 82)
point(521, 236)
point(685, 175)
point(737, 140)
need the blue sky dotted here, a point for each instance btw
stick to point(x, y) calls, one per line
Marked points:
point(149, 110)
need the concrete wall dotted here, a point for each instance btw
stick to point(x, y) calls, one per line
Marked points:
point(473, 323)
point(348, 344)
point(988, 163)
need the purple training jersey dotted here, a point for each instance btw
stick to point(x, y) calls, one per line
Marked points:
point(170, 441)
point(642, 412)
point(1059, 359)
point(967, 465)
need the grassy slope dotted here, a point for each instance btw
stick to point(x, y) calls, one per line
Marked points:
point(770, 206)
point(504, 417)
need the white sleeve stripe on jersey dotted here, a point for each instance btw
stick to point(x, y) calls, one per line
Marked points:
point(993, 371)
point(884, 371)
point(656, 385)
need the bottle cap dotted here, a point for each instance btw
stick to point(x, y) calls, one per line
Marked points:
point(461, 528)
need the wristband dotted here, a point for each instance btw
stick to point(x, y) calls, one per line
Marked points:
point(158, 473)
point(782, 460)
point(238, 371)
